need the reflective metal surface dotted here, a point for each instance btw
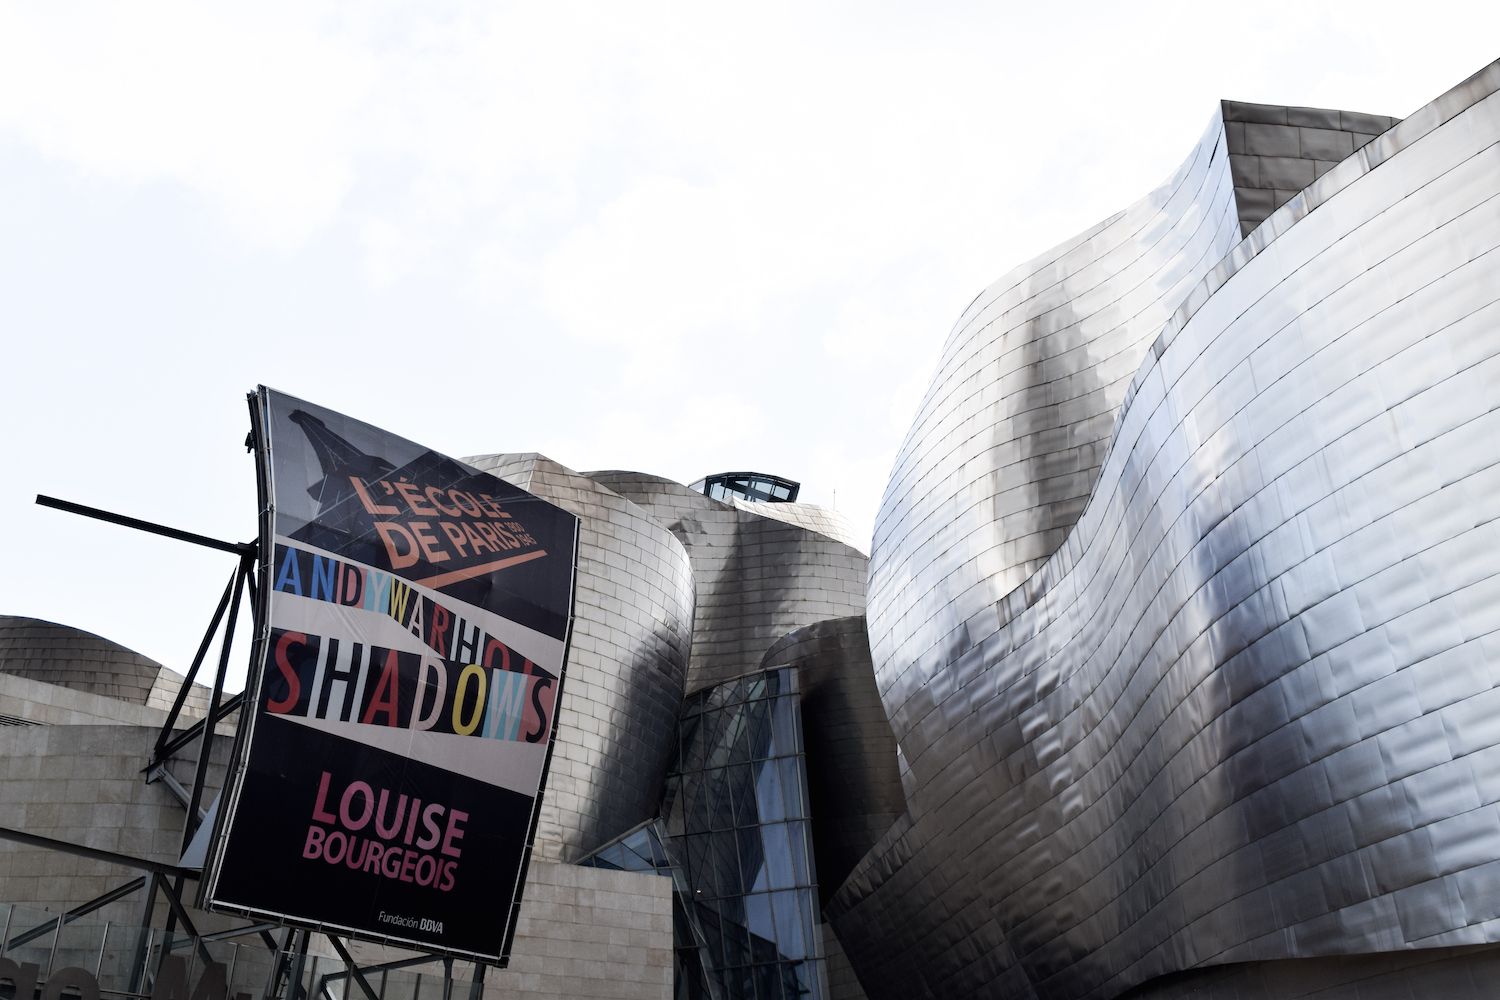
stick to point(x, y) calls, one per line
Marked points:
point(1185, 593)
point(626, 665)
point(1275, 152)
point(760, 569)
point(853, 783)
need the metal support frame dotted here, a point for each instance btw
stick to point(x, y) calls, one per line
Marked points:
point(238, 548)
point(68, 916)
point(167, 880)
point(170, 783)
point(143, 943)
point(182, 692)
point(93, 853)
point(243, 571)
point(354, 970)
point(299, 958)
point(166, 750)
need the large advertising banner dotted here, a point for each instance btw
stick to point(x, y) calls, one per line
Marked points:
point(411, 635)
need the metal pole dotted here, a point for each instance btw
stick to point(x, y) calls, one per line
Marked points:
point(294, 977)
point(277, 963)
point(143, 945)
point(206, 746)
point(10, 911)
point(150, 937)
point(476, 988)
point(158, 765)
point(234, 959)
point(187, 682)
point(238, 548)
point(82, 909)
point(174, 900)
point(52, 958)
point(354, 970)
point(103, 941)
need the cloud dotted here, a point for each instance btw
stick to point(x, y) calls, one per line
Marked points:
point(251, 111)
point(665, 261)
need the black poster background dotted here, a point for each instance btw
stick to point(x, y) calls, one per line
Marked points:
point(308, 455)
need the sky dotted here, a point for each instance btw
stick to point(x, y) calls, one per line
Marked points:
point(679, 239)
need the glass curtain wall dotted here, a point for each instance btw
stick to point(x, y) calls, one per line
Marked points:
point(735, 837)
point(735, 814)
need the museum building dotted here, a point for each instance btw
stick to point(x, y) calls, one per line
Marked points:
point(1171, 671)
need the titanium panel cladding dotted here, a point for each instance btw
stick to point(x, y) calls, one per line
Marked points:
point(760, 570)
point(1229, 694)
point(632, 628)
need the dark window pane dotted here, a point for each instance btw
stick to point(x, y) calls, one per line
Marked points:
point(700, 806)
point(725, 879)
point(725, 738)
point(673, 816)
point(753, 874)
point(742, 796)
point(757, 742)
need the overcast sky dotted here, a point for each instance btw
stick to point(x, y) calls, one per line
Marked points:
point(679, 239)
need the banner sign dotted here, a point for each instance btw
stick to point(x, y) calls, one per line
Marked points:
point(412, 629)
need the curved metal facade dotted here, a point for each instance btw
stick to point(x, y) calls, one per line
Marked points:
point(853, 783)
point(1007, 443)
point(632, 628)
point(758, 574)
point(72, 658)
point(1196, 664)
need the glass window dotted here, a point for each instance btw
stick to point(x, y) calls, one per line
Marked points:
point(700, 808)
point(785, 726)
point(698, 862)
point(758, 918)
point(807, 979)
point(808, 900)
point(756, 687)
point(789, 938)
point(725, 877)
point(752, 727)
point(800, 852)
point(791, 786)
point(736, 943)
point(673, 817)
point(724, 749)
point(755, 487)
point(735, 809)
point(742, 795)
point(778, 848)
point(753, 874)
point(769, 798)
